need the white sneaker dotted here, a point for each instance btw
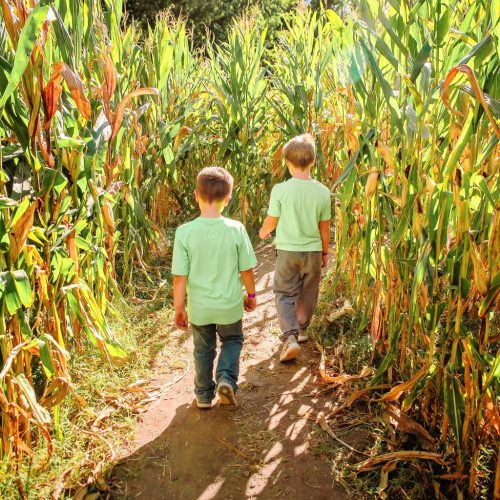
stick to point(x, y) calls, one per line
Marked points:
point(291, 349)
point(203, 404)
point(303, 336)
point(227, 398)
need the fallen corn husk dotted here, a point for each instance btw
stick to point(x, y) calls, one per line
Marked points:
point(343, 311)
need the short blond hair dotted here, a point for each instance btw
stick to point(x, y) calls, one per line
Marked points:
point(300, 151)
point(214, 184)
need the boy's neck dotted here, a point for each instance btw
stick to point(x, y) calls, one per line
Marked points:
point(211, 210)
point(301, 174)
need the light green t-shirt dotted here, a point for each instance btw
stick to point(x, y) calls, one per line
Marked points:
point(211, 252)
point(300, 205)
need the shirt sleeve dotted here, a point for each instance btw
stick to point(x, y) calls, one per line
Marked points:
point(274, 209)
point(246, 255)
point(326, 209)
point(180, 260)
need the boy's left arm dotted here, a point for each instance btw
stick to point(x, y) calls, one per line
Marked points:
point(269, 225)
point(324, 231)
point(248, 280)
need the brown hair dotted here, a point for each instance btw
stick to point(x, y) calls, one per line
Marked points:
point(300, 151)
point(214, 184)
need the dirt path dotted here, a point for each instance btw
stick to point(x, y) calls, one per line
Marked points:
point(263, 450)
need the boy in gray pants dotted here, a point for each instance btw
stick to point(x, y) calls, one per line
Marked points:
point(300, 211)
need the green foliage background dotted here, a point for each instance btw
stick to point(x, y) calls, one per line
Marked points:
point(214, 15)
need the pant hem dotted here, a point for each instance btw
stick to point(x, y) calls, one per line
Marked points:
point(292, 333)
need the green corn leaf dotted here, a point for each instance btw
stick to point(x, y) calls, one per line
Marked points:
point(419, 61)
point(443, 26)
point(460, 145)
point(417, 281)
point(46, 358)
point(489, 300)
point(23, 287)
point(387, 25)
point(384, 365)
point(64, 42)
point(486, 190)
point(4, 237)
point(454, 405)
point(417, 390)
point(386, 88)
point(23, 206)
point(362, 141)
point(27, 41)
point(12, 300)
point(485, 47)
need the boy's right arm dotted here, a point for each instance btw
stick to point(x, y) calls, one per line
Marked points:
point(181, 317)
point(273, 214)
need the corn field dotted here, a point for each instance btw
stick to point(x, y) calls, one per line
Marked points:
point(103, 128)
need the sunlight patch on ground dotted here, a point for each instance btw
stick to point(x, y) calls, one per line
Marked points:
point(299, 388)
point(258, 481)
point(273, 452)
point(213, 489)
point(276, 419)
point(294, 430)
point(298, 374)
point(285, 399)
point(301, 448)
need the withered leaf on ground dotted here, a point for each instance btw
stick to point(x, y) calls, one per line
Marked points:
point(407, 425)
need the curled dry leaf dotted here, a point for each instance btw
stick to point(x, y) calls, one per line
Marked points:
point(109, 84)
point(120, 110)
point(463, 68)
point(19, 232)
point(397, 456)
point(182, 133)
point(384, 478)
point(479, 270)
point(405, 424)
point(77, 89)
point(396, 391)
point(52, 92)
point(371, 185)
point(51, 95)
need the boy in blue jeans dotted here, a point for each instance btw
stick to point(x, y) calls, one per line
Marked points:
point(300, 211)
point(211, 254)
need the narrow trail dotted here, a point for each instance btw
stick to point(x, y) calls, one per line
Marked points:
point(263, 450)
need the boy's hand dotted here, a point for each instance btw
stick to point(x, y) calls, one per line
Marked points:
point(324, 258)
point(250, 303)
point(181, 318)
point(263, 235)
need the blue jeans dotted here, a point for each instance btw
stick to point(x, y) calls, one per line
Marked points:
point(228, 366)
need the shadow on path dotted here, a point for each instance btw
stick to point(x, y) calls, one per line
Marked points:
point(262, 450)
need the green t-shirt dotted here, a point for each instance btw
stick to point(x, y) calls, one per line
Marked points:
point(300, 205)
point(211, 252)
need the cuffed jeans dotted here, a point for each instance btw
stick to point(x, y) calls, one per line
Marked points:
point(296, 288)
point(228, 365)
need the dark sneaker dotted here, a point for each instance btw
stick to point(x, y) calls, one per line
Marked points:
point(226, 394)
point(291, 349)
point(205, 405)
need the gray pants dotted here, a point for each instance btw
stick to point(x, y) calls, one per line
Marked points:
point(296, 287)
